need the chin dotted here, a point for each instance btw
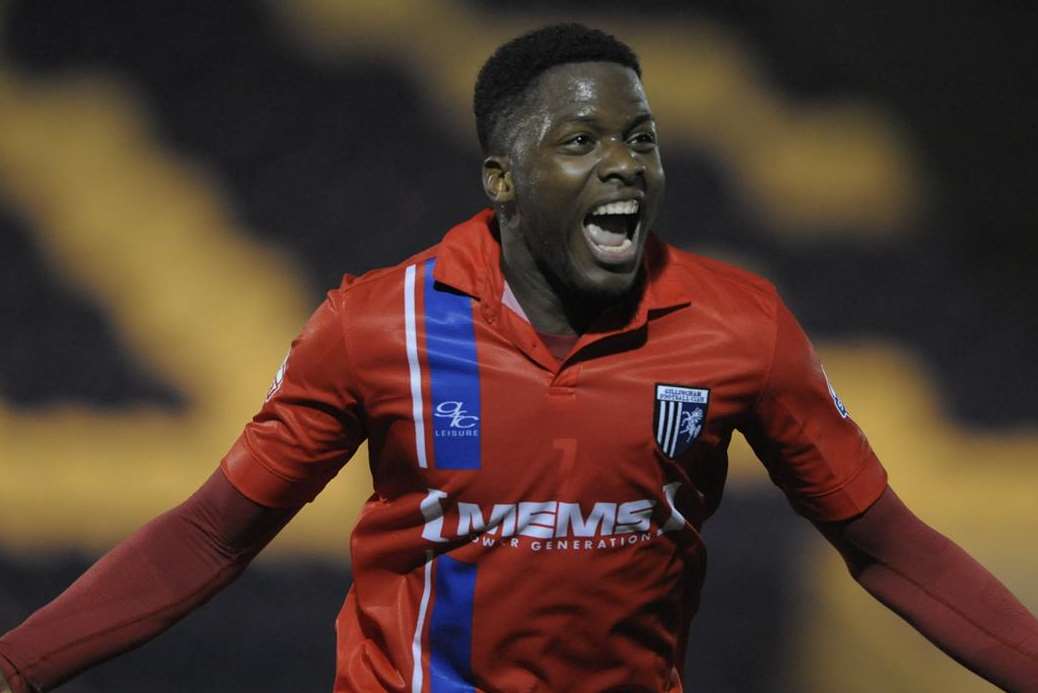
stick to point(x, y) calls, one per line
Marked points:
point(602, 286)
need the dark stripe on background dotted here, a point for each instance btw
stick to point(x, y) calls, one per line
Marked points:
point(345, 164)
point(305, 153)
point(56, 345)
point(745, 636)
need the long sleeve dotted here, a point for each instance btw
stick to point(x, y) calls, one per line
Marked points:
point(941, 591)
point(172, 565)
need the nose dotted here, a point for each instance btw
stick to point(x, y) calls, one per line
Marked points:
point(620, 162)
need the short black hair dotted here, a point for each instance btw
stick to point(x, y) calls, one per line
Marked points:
point(516, 64)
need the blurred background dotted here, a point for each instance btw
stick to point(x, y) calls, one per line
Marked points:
point(180, 182)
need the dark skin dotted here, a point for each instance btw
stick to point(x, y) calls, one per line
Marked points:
point(582, 136)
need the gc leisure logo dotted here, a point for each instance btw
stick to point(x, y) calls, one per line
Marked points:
point(460, 422)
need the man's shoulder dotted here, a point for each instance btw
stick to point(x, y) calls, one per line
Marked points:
point(462, 247)
point(712, 282)
point(380, 280)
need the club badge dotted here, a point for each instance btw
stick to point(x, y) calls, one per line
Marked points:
point(679, 416)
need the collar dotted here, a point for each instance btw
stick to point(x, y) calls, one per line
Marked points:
point(469, 261)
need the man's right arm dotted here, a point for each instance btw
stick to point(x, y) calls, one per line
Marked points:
point(172, 565)
point(306, 430)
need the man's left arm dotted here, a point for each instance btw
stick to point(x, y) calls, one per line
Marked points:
point(941, 591)
point(815, 452)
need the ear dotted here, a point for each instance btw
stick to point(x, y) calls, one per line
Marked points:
point(497, 180)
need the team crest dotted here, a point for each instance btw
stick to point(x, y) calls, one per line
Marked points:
point(679, 416)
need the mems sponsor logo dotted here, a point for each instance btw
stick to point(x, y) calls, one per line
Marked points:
point(548, 525)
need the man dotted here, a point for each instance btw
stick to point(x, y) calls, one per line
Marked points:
point(548, 395)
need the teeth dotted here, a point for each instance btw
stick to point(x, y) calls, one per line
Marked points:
point(622, 207)
point(624, 245)
point(607, 240)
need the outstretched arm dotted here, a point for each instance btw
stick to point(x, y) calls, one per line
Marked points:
point(175, 563)
point(941, 591)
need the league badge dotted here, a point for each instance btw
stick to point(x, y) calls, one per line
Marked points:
point(279, 378)
point(836, 398)
point(679, 416)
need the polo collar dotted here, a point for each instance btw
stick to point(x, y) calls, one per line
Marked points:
point(469, 261)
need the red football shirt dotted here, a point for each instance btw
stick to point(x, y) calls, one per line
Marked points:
point(535, 523)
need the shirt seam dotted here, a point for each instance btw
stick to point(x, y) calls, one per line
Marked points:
point(949, 605)
point(266, 467)
point(862, 466)
point(350, 371)
point(158, 612)
point(766, 381)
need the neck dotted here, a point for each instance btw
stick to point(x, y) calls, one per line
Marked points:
point(550, 308)
point(540, 302)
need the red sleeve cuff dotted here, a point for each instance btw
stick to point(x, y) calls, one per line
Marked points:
point(851, 499)
point(261, 484)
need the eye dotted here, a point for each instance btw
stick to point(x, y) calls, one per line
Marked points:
point(644, 140)
point(581, 142)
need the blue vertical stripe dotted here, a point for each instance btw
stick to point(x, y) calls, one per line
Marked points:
point(450, 627)
point(450, 343)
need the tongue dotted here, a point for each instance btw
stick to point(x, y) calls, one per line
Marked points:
point(606, 236)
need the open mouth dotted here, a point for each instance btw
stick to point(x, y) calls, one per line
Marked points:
point(611, 230)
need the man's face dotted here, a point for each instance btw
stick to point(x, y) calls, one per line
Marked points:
point(588, 178)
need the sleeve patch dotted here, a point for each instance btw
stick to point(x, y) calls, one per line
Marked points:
point(836, 398)
point(279, 378)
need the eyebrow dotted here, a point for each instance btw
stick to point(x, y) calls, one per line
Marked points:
point(589, 118)
point(642, 118)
